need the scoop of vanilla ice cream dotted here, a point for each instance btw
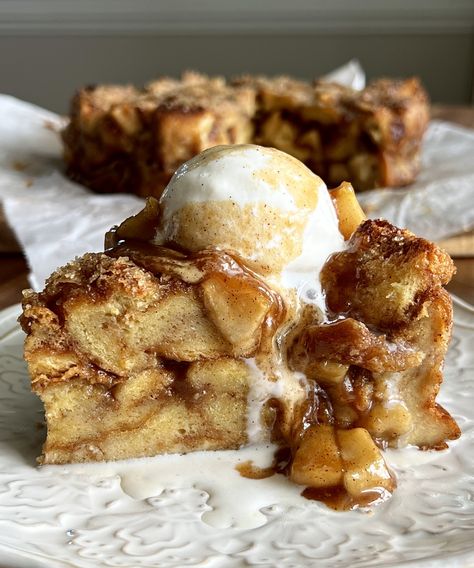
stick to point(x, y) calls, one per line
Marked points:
point(263, 204)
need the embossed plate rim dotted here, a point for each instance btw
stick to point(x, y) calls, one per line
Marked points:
point(18, 558)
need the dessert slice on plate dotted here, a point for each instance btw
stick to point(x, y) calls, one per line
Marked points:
point(248, 305)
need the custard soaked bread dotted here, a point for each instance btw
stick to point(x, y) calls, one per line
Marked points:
point(131, 362)
point(329, 346)
point(121, 139)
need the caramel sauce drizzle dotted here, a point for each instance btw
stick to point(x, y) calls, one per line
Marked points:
point(335, 497)
point(338, 499)
point(133, 239)
point(251, 471)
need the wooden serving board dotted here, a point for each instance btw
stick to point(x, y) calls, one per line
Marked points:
point(460, 246)
point(8, 242)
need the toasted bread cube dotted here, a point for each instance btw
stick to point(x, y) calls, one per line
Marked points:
point(317, 461)
point(397, 268)
point(364, 467)
point(127, 117)
point(123, 337)
point(349, 212)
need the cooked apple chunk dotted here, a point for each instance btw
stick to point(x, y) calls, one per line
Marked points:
point(237, 309)
point(317, 461)
point(364, 467)
point(349, 212)
point(329, 457)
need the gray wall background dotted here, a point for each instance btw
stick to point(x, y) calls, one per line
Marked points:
point(48, 48)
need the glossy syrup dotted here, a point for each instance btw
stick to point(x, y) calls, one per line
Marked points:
point(134, 239)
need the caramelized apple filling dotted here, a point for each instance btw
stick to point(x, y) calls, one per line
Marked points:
point(341, 467)
point(132, 363)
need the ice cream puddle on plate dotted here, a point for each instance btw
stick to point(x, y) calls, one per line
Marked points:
point(248, 307)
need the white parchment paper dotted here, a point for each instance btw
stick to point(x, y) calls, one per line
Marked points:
point(55, 219)
point(441, 201)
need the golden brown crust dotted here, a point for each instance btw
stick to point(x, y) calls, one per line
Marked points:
point(125, 139)
point(386, 267)
point(277, 93)
point(350, 342)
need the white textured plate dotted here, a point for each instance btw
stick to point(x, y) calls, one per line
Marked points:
point(57, 516)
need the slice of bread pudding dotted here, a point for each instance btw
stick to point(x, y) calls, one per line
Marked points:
point(123, 139)
point(239, 309)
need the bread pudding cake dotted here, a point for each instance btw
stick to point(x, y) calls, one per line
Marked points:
point(121, 139)
point(247, 305)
